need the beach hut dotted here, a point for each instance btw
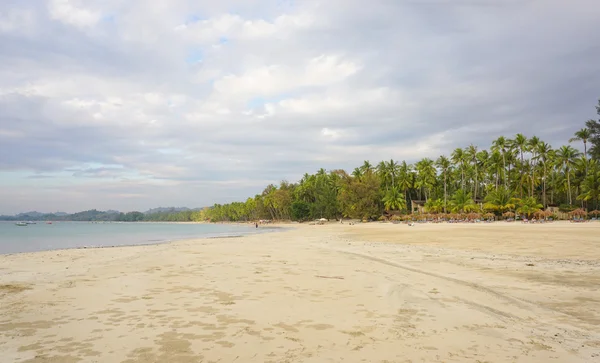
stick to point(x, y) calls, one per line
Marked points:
point(417, 206)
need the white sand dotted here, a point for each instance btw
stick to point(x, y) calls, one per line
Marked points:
point(441, 293)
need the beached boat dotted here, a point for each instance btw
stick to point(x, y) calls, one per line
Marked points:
point(21, 224)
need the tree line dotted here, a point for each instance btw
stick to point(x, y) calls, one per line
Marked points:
point(523, 174)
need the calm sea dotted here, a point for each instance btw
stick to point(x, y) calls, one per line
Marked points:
point(60, 235)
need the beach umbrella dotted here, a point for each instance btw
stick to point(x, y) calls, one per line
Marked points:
point(579, 212)
point(595, 212)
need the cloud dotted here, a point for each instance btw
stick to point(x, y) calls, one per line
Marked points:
point(133, 104)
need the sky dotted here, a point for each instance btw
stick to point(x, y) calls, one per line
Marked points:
point(134, 104)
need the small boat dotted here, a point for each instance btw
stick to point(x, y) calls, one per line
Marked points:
point(21, 224)
point(48, 222)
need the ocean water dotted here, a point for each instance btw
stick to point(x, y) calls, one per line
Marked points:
point(61, 235)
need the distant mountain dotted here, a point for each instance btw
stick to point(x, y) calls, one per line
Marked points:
point(60, 214)
point(30, 214)
point(167, 210)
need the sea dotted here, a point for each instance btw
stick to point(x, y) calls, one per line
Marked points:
point(62, 235)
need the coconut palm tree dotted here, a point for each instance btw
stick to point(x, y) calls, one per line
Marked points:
point(425, 175)
point(502, 145)
point(394, 200)
point(590, 186)
point(462, 202)
point(494, 165)
point(500, 200)
point(566, 156)
point(520, 143)
point(366, 167)
point(382, 173)
point(534, 143)
point(357, 173)
point(471, 154)
point(404, 178)
point(459, 159)
point(435, 206)
point(528, 206)
point(392, 169)
point(544, 154)
point(584, 136)
point(444, 164)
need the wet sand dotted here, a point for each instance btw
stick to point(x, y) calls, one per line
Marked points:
point(334, 293)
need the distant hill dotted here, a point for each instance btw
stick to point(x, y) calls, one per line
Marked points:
point(30, 214)
point(168, 210)
point(174, 214)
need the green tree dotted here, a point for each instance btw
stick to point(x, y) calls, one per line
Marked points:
point(394, 200)
point(566, 156)
point(443, 163)
point(528, 206)
point(462, 202)
point(500, 200)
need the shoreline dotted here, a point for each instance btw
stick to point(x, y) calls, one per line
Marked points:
point(155, 243)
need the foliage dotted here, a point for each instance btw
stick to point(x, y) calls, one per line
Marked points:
point(528, 206)
point(462, 202)
point(434, 206)
point(500, 200)
point(394, 200)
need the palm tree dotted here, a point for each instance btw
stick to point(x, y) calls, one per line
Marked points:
point(404, 178)
point(472, 155)
point(500, 200)
point(435, 206)
point(566, 156)
point(520, 143)
point(583, 135)
point(590, 186)
point(495, 167)
point(394, 200)
point(444, 164)
point(458, 158)
point(366, 167)
point(528, 206)
point(382, 172)
point(425, 175)
point(501, 145)
point(544, 153)
point(392, 168)
point(534, 142)
point(357, 173)
point(462, 201)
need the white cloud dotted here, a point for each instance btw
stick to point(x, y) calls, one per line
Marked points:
point(273, 80)
point(236, 27)
point(16, 20)
point(73, 12)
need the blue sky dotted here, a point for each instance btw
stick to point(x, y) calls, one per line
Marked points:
point(134, 104)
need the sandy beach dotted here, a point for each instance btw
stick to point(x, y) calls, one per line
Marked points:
point(376, 292)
